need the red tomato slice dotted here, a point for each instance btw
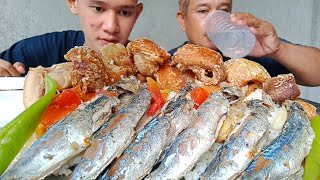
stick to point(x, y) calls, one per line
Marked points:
point(59, 107)
point(199, 95)
point(157, 100)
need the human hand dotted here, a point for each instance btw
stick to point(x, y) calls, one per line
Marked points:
point(7, 69)
point(267, 40)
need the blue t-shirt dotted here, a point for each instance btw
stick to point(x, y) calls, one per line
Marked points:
point(45, 50)
point(272, 66)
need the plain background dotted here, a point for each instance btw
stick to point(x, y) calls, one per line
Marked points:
point(295, 20)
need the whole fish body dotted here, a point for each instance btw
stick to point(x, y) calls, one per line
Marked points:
point(195, 140)
point(113, 137)
point(63, 141)
point(283, 157)
point(139, 158)
point(242, 145)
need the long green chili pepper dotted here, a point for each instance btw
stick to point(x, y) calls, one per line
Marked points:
point(16, 133)
point(312, 161)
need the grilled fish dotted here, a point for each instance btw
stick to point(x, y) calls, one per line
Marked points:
point(139, 158)
point(242, 145)
point(283, 157)
point(113, 137)
point(195, 140)
point(63, 141)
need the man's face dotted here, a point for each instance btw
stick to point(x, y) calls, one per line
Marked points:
point(192, 21)
point(107, 21)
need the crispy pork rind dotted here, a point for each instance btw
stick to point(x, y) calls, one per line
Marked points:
point(118, 62)
point(281, 88)
point(207, 64)
point(308, 108)
point(170, 77)
point(241, 71)
point(89, 70)
point(147, 55)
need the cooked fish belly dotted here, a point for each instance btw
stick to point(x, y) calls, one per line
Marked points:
point(203, 162)
point(139, 158)
point(242, 145)
point(195, 140)
point(63, 141)
point(283, 156)
point(113, 137)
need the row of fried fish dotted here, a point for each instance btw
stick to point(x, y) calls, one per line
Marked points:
point(264, 143)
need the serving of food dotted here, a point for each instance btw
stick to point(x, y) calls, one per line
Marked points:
point(135, 112)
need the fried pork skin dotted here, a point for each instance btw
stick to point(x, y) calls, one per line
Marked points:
point(207, 64)
point(147, 55)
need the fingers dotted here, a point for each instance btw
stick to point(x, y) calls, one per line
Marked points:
point(19, 67)
point(246, 19)
point(7, 69)
point(257, 26)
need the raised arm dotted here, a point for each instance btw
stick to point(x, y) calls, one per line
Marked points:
point(302, 61)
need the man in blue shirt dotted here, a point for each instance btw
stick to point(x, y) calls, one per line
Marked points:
point(102, 22)
point(276, 55)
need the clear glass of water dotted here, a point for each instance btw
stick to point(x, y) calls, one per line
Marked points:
point(231, 39)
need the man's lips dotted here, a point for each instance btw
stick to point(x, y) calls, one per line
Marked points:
point(104, 41)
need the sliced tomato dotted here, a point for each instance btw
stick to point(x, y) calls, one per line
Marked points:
point(199, 95)
point(157, 100)
point(59, 107)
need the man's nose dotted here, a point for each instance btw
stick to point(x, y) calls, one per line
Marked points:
point(110, 23)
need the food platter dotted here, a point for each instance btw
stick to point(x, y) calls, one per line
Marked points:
point(140, 122)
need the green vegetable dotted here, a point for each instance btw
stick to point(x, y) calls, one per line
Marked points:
point(16, 133)
point(312, 161)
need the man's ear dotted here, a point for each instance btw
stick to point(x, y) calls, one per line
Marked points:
point(72, 4)
point(139, 10)
point(181, 17)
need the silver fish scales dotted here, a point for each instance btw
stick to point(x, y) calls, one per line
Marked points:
point(63, 141)
point(242, 145)
point(113, 137)
point(139, 158)
point(283, 157)
point(195, 140)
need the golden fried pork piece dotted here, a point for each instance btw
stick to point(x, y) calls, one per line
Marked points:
point(89, 70)
point(170, 77)
point(147, 55)
point(282, 87)
point(118, 62)
point(241, 71)
point(207, 64)
point(308, 108)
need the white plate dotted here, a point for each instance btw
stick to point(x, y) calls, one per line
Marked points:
point(11, 105)
point(11, 83)
point(11, 98)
